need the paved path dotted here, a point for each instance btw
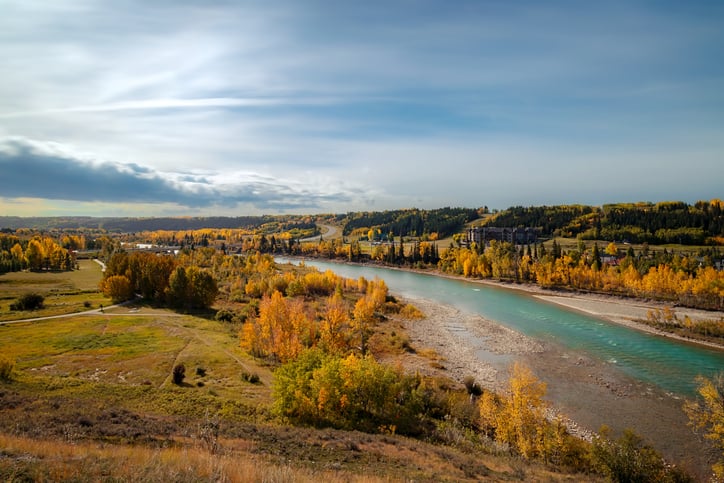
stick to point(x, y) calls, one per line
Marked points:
point(73, 314)
point(330, 231)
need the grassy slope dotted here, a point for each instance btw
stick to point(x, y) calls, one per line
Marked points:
point(92, 397)
point(98, 380)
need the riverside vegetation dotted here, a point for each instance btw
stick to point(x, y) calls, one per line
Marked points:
point(280, 368)
point(282, 345)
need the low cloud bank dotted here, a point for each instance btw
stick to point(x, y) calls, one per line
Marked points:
point(32, 169)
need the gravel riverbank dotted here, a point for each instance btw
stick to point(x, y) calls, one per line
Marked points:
point(586, 392)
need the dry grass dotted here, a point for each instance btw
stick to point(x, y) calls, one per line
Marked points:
point(91, 399)
point(38, 460)
point(106, 356)
point(409, 311)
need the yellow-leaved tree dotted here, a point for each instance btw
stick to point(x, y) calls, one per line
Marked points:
point(517, 417)
point(282, 329)
point(707, 415)
point(334, 327)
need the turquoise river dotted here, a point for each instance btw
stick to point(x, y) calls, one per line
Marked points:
point(669, 364)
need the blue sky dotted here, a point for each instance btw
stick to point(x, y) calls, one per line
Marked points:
point(154, 108)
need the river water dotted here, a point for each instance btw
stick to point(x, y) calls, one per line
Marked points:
point(671, 365)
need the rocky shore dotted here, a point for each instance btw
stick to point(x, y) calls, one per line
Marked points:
point(587, 393)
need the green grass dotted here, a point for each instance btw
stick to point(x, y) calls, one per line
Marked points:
point(106, 379)
point(98, 356)
point(64, 292)
point(86, 278)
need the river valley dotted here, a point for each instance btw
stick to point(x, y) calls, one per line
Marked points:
point(597, 372)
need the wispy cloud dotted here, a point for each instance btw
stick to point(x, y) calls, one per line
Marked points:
point(160, 104)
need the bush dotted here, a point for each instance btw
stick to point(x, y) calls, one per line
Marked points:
point(6, 368)
point(251, 378)
point(29, 301)
point(472, 387)
point(225, 315)
point(347, 393)
point(179, 373)
point(630, 459)
point(411, 312)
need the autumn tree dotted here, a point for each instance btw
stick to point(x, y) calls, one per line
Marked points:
point(611, 249)
point(191, 287)
point(518, 416)
point(334, 327)
point(148, 273)
point(281, 331)
point(34, 255)
point(363, 320)
point(707, 415)
point(202, 288)
point(117, 287)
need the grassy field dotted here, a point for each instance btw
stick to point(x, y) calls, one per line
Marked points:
point(64, 292)
point(92, 396)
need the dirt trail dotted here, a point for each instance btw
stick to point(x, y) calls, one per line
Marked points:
point(194, 334)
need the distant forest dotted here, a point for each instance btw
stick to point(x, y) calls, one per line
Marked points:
point(127, 225)
point(413, 222)
point(654, 223)
point(667, 222)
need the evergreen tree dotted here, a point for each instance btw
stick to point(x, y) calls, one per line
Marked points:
point(596, 258)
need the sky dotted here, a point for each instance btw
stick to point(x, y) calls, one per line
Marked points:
point(182, 107)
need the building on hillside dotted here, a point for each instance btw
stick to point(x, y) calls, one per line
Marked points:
point(482, 235)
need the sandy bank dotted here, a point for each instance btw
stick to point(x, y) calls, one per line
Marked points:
point(621, 310)
point(630, 312)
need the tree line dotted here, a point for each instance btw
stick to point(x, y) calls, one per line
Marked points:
point(655, 223)
point(36, 253)
point(412, 222)
point(667, 276)
point(164, 280)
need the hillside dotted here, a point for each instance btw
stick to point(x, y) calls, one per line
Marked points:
point(92, 396)
point(654, 223)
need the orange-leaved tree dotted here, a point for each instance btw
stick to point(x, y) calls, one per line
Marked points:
point(282, 329)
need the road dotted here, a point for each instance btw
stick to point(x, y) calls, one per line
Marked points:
point(328, 231)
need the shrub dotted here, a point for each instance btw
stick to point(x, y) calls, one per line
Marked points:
point(200, 371)
point(6, 368)
point(706, 415)
point(629, 459)
point(348, 393)
point(29, 301)
point(179, 373)
point(472, 386)
point(225, 315)
point(251, 378)
point(411, 312)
